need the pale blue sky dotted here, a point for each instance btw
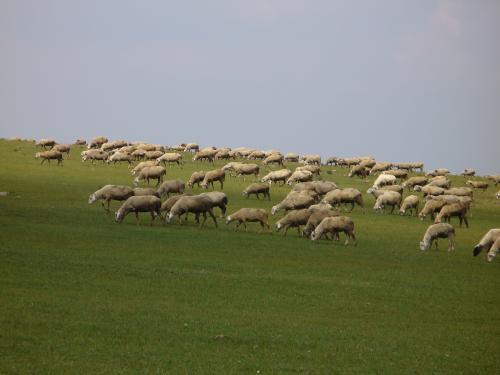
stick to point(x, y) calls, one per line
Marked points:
point(399, 80)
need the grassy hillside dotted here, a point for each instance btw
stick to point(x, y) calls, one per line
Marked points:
point(82, 294)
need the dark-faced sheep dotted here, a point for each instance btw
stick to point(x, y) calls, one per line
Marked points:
point(145, 203)
point(436, 231)
point(486, 241)
point(111, 192)
point(244, 215)
point(46, 143)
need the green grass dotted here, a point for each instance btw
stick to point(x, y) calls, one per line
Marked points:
point(81, 294)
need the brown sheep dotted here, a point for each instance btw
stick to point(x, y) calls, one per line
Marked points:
point(244, 215)
point(257, 188)
point(196, 178)
point(50, 155)
point(212, 176)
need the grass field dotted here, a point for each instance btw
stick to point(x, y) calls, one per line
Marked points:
point(81, 294)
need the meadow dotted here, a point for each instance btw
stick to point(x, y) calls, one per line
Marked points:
point(80, 294)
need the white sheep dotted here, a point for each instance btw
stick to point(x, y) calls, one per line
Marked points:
point(486, 241)
point(244, 215)
point(435, 231)
point(335, 225)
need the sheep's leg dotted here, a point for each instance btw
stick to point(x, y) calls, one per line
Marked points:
point(354, 238)
point(392, 209)
point(451, 244)
point(136, 218)
point(466, 221)
point(153, 216)
point(204, 219)
point(210, 212)
point(286, 230)
point(346, 238)
point(298, 230)
point(221, 184)
point(436, 243)
point(237, 226)
point(109, 202)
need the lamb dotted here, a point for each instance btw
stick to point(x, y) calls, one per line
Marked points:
point(494, 249)
point(415, 181)
point(50, 155)
point(207, 155)
point(94, 154)
point(384, 179)
point(218, 199)
point(46, 143)
point(411, 204)
point(244, 215)
point(169, 157)
point(429, 190)
point(347, 195)
point(273, 159)
point(196, 178)
point(246, 169)
point(143, 164)
point(299, 176)
point(293, 202)
point(279, 175)
point(436, 231)
point(97, 142)
point(316, 217)
point(430, 208)
point(257, 188)
point(197, 204)
point(119, 157)
point(359, 170)
point(486, 241)
point(150, 173)
point(62, 149)
point(314, 169)
point(454, 209)
point(212, 176)
point(380, 167)
point(468, 172)
point(145, 191)
point(335, 225)
point(389, 198)
point(478, 184)
point(145, 203)
point(294, 218)
point(291, 157)
point(111, 192)
point(171, 186)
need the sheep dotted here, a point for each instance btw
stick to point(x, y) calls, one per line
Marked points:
point(257, 188)
point(348, 161)
point(119, 157)
point(169, 157)
point(359, 170)
point(62, 149)
point(299, 176)
point(167, 205)
point(486, 241)
point(460, 191)
point(46, 143)
point(367, 163)
point(218, 199)
point(145, 203)
point(294, 218)
point(276, 176)
point(143, 164)
point(410, 203)
point(438, 172)
point(429, 190)
point(171, 186)
point(382, 180)
point(197, 204)
point(316, 217)
point(257, 155)
point(291, 157)
point(377, 192)
point(347, 195)
point(494, 249)
point(246, 169)
point(453, 209)
point(335, 225)
point(380, 167)
point(436, 231)
point(398, 173)
point(430, 208)
point(212, 176)
point(293, 202)
point(111, 192)
point(332, 160)
point(150, 173)
point(416, 165)
point(196, 178)
point(244, 215)
point(478, 184)
point(145, 191)
point(273, 159)
point(97, 142)
point(468, 172)
point(320, 187)
point(94, 154)
point(153, 155)
point(389, 198)
point(494, 179)
point(415, 181)
point(222, 154)
point(138, 154)
point(109, 146)
point(191, 147)
point(207, 155)
point(312, 159)
point(314, 169)
point(50, 155)
point(440, 181)
point(230, 167)
point(80, 142)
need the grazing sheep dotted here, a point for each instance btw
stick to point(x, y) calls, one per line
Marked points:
point(109, 146)
point(276, 176)
point(316, 217)
point(94, 154)
point(335, 225)
point(389, 198)
point(62, 149)
point(212, 176)
point(138, 154)
point(320, 187)
point(344, 196)
point(494, 249)
point(382, 180)
point(495, 179)
point(244, 215)
point(143, 164)
point(359, 170)
point(440, 181)
point(367, 163)
point(453, 209)
point(416, 165)
point(486, 241)
point(299, 176)
point(50, 155)
point(46, 143)
point(380, 167)
point(415, 181)
point(378, 192)
point(291, 157)
point(150, 173)
point(145, 203)
point(430, 208)
point(97, 142)
point(167, 205)
point(348, 161)
point(294, 218)
point(169, 157)
point(398, 173)
point(246, 169)
point(460, 191)
point(230, 167)
point(312, 159)
point(332, 160)
point(438, 172)
point(218, 199)
point(196, 178)
point(294, 202)
point(436, 231)
point(111, 192)
point(478, 184)
point(468, 172)
point(410, 203)
point(273, 159)
point(222, 154)
point(257, 188)
point(257, 155)
point(153, 155)
point(314, 169)
point(119, 157)
point(191, 147)
point(81, 142)
point(197, 204)
point(171, 186)
point(145, 191)
point(207, 155)
point(429, 190)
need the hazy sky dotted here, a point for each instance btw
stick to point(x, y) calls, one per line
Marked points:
point(400, 80)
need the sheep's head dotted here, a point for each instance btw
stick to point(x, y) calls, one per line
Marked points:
point(314, 235)
point(204, 185)
point(371, 190)
point(136, 181)
point(228, 219)
point(402, 211)
point(274, 209)
point(169, 217)
point(417, 188)
point(279, 226)
point(37, 155)
point(244, 193)
point(92, 198)
point(491, 256)
point(424, 246)
point(119, 216)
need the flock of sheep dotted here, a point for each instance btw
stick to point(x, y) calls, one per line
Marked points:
point(311, 204)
